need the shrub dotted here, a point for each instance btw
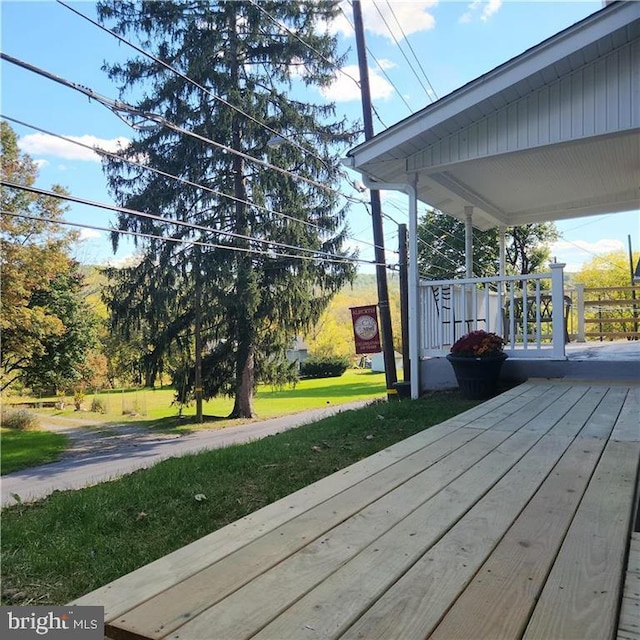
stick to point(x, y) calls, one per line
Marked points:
point(324, 367)
point(22, 420)
point(98, 405)
point(78, 399)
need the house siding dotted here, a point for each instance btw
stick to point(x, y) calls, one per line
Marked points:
point(602, 97)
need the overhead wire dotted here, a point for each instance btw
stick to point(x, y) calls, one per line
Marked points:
point(381, 67)
point(302, 41)
point(117, 107)
point(404, 55)
point(431, 247)
point(115, 156)
point(404, 35)
point(592, 253)
point(181, 223)
point(185, 77)
point(184, 241)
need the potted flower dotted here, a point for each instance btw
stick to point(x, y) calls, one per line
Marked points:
point(476, 359)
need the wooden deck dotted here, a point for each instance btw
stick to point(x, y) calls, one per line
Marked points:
point(512, 520)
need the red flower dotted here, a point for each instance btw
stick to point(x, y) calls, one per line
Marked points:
point(478, 344)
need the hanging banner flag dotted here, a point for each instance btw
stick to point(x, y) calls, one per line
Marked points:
point(365, 329)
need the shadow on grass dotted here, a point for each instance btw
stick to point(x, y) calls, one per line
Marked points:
point(181, 424)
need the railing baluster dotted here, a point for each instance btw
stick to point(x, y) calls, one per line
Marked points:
point(451, 308)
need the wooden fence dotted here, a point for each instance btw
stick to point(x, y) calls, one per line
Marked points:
point(606, 313)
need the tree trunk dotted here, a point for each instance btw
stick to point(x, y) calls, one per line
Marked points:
point(243, 404)
point(245, 290)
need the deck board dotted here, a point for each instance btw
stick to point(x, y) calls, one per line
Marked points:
point(379, 561)
point(231, 573)
point(154, 578)
point(511, 520)
point(498, 602)
point(629, 623)
point(580, 598)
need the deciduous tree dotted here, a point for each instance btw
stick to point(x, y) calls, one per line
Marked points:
point(43, 317)
point(441, 250)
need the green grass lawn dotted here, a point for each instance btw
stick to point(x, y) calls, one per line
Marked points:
point(24, 449)
point(74, 541)
point(156, 405)
point(154, 409)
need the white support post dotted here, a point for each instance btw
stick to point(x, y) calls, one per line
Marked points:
point(503, 251)
point(557, 309)
point(502, 270)
point(468, 240)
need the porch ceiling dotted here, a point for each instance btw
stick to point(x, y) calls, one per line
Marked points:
point(551, 134)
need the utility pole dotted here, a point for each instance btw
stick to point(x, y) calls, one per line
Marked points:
point(376, 214)
point(404, 300)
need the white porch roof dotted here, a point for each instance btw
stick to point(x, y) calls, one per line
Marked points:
point(553, 133)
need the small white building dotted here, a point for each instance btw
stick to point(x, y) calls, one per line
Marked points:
point(298, 350)
point(377, 362)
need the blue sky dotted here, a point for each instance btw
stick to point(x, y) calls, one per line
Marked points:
point(454, 41)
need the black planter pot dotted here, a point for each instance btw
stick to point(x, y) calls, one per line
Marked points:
point(477, 377)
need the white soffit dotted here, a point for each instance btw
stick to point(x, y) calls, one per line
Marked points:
point(551, 134)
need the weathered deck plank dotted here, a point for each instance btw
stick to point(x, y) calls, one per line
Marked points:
point(628, 425)
point(629, 623)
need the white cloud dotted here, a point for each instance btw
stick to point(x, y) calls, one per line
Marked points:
point(44, 144)
point(344, 89)
point(575, 253)
point(483, 9)
point(129, 260)
point(413, 17)
point(41, 163)
point(385, 65)
point(90, 234)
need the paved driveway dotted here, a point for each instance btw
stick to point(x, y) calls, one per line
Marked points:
point(95, 458)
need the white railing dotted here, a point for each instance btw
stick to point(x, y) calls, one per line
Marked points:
point(528, 311)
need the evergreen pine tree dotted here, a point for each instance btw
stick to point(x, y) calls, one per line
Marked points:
point(249, 298)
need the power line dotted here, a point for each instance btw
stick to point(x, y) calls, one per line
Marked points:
point(329, 256)
point(187, 79)
point(115, 156)
point(592, 253)
point(404, 35)
point(122, 109)
point(200, 243)
point(404, 55)
point(185, 181)
point(382, 69)
point(306, 44)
